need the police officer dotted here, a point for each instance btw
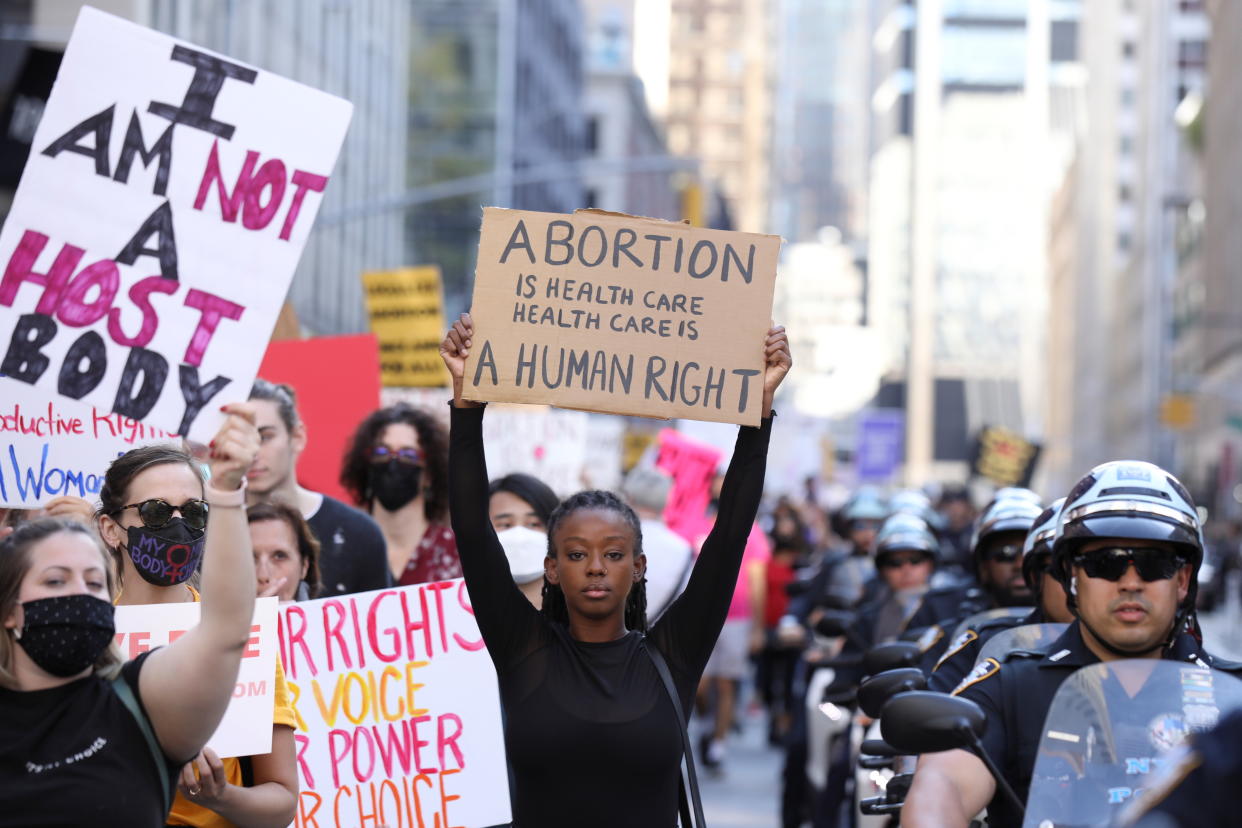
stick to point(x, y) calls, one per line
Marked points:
point(997, 551)
point(1050, 606)
point(1128, 547)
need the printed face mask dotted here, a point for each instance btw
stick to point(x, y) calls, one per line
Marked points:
point(168, 555)
point(395, 483)
point(66, 634)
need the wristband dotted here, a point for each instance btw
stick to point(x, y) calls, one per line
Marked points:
point(223, 498)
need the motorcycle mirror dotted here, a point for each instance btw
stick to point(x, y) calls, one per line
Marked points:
point(890, 656)
point(834, 623)
point(875, 692)
point(921, 721)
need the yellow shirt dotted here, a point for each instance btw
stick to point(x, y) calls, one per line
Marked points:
point(185, 812)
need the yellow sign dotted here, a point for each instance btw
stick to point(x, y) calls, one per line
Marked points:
point(407, 317)
point(1177, 411)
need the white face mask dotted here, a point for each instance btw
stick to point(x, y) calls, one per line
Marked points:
point(525, 548)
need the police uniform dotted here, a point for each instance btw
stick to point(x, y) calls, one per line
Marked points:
point(1016, 693)
point(961, 654)
point(941, 611)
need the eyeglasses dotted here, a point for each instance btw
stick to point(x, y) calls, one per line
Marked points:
point(898, 561)
point(1110, 564)
point(1005, 553)
point(1039, 562)
point(382, 454)
point(155, 513)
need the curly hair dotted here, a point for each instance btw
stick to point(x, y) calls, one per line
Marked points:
point(554, 606)
point(432, 440)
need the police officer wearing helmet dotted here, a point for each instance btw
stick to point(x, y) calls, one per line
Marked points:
point(1127, 547)
point(845, 576)
point(1050, 605)
point(997, 551)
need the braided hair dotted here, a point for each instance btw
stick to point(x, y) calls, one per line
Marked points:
point(554, 606)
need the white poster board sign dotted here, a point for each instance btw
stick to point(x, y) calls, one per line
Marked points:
point(50, 447)
point(159, 219)
point(246, 729)
point(398, 711)
point(547, 443)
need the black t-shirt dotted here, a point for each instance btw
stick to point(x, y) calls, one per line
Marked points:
point(353, 555)
point(74, 755)
point(591, 735)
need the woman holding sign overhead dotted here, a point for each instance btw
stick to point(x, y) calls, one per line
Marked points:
point(582, 679)
point(83, 739)
point(157, 517)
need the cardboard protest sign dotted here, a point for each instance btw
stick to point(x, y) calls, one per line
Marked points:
point(157, 225)
point(54, 447)
point(337, 383)
point(613, 313)
point(246, 729)
point(407, 316)
point(398, 713)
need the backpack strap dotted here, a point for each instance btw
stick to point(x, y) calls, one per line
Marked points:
point(126, 694)
point(689, 781)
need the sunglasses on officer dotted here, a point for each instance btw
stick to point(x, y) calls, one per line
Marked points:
point(156, 513)
point(1151, 563)
point(1003, 552)
point(896, 561)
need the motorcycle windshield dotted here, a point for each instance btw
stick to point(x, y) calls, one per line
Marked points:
point(1110, 726)
point(973, 622)
point(1026, 637)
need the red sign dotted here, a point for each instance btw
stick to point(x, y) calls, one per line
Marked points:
point(337, 379)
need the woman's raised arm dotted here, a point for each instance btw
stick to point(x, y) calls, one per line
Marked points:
point(187, 685)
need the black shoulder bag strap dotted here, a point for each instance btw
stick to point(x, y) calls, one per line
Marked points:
point(122, 689)
point(689, 782)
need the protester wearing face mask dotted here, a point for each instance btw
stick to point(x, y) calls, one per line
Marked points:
point(154, 518)
point(83, 739)
point(396, 469)
point(519, 507)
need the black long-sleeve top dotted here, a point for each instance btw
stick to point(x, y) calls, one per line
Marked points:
point(591, 735)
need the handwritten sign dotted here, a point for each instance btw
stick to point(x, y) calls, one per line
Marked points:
point(246, 729)
point(606, 312)
point(398, 713)
point(543, 442)
point(55, 447)
point(692, 465)
point(157, 225)
point(407, 315)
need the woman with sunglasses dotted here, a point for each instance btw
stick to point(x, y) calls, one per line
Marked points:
point(85, 739)
point(156, 521)
point(396, 468)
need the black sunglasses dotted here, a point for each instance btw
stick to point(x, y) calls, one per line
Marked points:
point(1111, 563)
point(155, 513)
point(1005, 553)
point(898, 561)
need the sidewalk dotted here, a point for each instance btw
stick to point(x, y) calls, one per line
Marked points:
point(747, 794)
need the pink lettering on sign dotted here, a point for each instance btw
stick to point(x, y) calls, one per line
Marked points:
point(257, 194)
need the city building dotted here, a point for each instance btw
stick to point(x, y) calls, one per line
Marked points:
point(718, 101)
point(628, 167)
point(966, 104)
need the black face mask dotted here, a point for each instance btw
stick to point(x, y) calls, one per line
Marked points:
point(66, 634)
point(166, 556)
point(395, 483)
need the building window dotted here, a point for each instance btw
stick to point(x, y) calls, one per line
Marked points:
point(591, 139)
point(1128, 49)
point(1123, 242)
point(1123, 193)
point(1192, 54)
point(1127, 97)
point(1125, 145)
point(591, 196)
